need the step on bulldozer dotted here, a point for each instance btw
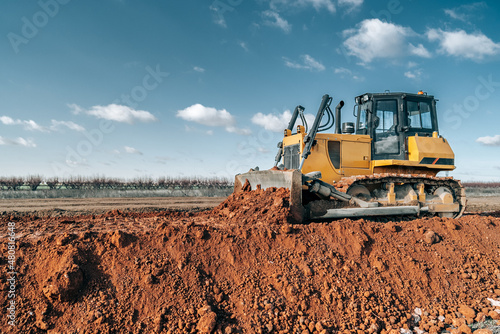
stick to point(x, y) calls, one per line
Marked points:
point(383, 164)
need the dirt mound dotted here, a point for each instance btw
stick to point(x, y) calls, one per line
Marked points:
point(269, 206)
point(242, 269)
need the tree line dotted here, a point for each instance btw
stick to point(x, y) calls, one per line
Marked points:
point(37, 182)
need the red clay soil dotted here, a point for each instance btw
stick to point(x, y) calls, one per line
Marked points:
point(242, 268)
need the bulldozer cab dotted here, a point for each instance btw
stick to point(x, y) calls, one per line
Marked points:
point(390, 118)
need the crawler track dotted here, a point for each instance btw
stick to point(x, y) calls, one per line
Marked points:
point(431, 184)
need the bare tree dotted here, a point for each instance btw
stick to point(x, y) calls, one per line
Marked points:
point(13, 183)
point(33, 181)
point(52, 182)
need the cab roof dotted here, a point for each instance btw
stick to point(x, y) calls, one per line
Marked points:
point(397, 94)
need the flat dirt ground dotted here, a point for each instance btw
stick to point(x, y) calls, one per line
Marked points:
point(75, 206)
point(483, 204)
point(239, 265)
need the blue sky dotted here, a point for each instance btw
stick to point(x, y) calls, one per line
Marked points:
point(204, 88)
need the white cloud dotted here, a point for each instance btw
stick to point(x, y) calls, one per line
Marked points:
point(56, 126)
point(410, 75)
point(274, 19)
point(316, 4)
point(218, 13)
point(355, 3)
point(262, 150)
point(319, 4)
point(273, 122)
point(490, 141)
point(79, 163)
point(244, 46)
point(211, 117)
point(17, 142)
point(351, 4)
point(464, 12)
point(413, 71)
point(239, 131)
point(455, 15)
point(342, 71)
point(199, 69)
point(116, 112)
point(277, 122)
point(28, 125)
point(207, 116)
point(131, 150)
point(419, 50)
point(412, 64)
point(461, 44)
point(31, 125)
point(308, 63)
point(415, 74)
point(7, 120)
point(376, 39)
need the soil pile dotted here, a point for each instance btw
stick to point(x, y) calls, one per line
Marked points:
point(269, 206)
point(241, 269)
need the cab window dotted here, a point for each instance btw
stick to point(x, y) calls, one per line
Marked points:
point(363, 116)
point(419, 115)
point(385, 122)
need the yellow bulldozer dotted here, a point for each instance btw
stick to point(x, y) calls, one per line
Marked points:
point(383, 164)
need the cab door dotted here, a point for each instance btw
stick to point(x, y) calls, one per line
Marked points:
point(386, 132)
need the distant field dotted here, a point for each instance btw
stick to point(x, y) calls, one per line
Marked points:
point(481, 184)
point(78, 206)
point(100, 187)
point(104, 193)
point(482, 192)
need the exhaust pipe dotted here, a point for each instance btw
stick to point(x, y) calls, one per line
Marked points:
point(338, 118)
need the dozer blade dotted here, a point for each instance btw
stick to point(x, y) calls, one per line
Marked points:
point(290, 179)
point(293, 180)
point(367, 212)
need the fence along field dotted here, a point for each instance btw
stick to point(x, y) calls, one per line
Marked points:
point(482, 189)
point(35, 186)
